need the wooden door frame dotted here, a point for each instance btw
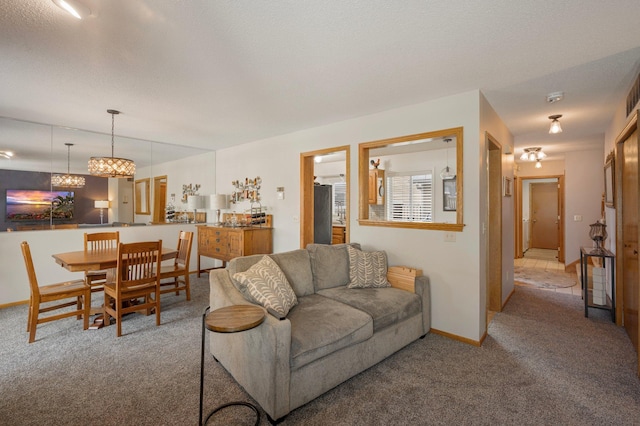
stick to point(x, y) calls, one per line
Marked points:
point(494, 219)
point(307, 164)
point(157, 208)
point(518, 212)
point(631, 126)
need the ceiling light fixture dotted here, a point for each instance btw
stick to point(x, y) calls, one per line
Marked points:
point(446, 173)
point(555, 124)
point(538, 164)
point(555, 97)
point(74, 7)
point(6, 154)
point(533, 154)
point(68, 180)
point(112, 166)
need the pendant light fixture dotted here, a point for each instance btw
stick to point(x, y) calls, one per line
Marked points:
point(555, 124)
point(112, 166)
point(446, 173)
point(68, 180)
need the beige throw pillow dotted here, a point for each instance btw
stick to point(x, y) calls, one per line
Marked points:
point(267, 284)
point(367, 269)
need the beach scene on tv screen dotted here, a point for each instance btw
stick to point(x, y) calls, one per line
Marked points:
point(38, 205)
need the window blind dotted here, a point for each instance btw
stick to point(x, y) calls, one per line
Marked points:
point(410, 197)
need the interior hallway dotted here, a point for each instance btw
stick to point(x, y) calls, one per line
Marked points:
point(547, 260)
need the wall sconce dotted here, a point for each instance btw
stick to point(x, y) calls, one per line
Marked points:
point(555, 124)
point(218, 202)
point(101, 204)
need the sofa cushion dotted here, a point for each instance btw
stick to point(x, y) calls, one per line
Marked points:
point(385, 305)
point(295, 264)
point(330, 264)
point(267, 285)
point(367, 269)
point(320, 326)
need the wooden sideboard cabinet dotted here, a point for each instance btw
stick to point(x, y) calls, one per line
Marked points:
point(225, 243)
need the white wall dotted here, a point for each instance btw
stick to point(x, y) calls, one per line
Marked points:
point(198, 169)
point(491, 124)
point(453, 268)
point(584, 186)
point(15, 285)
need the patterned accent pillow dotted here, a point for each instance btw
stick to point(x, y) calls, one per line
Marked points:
point(367, 269)
point(266, 283)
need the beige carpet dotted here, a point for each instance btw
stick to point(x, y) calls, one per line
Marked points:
point(538, 277)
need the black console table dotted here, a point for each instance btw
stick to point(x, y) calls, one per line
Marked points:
point(587, 294)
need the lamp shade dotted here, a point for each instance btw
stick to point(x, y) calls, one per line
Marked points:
point(101, 204)
point(195, 202)
point(218, 201)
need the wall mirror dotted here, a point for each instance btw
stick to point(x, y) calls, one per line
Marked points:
point(401, 181)
point(142, 196)
point(39, 150)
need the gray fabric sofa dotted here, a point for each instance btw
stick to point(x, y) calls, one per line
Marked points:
point(332, 334)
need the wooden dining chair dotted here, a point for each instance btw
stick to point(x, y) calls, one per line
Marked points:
point(137, 276)
point(77, 289)
point(95, 242)
point(179, 270)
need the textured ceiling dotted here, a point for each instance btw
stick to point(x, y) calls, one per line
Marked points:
point(212, 74)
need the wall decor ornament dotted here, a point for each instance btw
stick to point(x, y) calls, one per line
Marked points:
point(249, 189)
point(187, 190)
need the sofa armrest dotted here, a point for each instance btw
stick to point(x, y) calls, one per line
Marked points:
point(423, 289)
point(259, 358)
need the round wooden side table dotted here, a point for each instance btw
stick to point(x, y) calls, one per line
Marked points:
point(230, 319)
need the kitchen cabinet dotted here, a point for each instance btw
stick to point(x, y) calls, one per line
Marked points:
point(376, 186)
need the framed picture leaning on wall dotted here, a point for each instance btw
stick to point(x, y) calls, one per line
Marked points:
point(609, 181)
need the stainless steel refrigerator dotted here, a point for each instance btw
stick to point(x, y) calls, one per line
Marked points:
point(322, 214)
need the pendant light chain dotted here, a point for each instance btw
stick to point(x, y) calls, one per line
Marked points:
point(112, 131)
point(112, 167)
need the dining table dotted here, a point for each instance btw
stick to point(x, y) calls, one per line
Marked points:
point(98, 260)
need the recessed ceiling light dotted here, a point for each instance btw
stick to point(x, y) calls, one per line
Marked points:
point(73, 7)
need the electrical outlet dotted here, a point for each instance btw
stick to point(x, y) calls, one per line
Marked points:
point(577, 218)
point(449, 237)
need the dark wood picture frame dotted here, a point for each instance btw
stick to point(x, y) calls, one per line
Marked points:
point(449, 195)
point(610, 181)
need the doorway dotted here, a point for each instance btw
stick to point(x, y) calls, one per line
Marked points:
point(336, 175)
point(543, 214)
point(627, 233)
point(159, 199)
point(494, 231)
point(540, 215)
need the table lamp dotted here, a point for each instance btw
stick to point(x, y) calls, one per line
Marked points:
point(101, 204)
point(218, 202)
point(195, 202)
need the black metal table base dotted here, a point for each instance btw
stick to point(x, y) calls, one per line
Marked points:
point(230, 404)
point(241, 403)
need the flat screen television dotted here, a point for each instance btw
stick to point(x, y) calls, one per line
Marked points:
point(32, 205)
